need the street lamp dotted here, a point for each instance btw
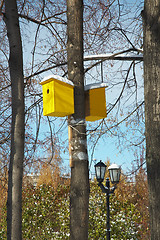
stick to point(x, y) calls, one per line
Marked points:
point(114, 172)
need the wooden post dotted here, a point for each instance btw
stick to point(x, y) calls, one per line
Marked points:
point(70, 147)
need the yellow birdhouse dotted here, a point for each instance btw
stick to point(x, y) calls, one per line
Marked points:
point(95, 101)
point(58, 96)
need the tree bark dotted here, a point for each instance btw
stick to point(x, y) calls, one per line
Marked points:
point(151, 18)
point(14, 201)
point(79, 194)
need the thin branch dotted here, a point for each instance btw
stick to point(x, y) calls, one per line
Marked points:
point(124, 119)
point(116, 56)
point(122, 88)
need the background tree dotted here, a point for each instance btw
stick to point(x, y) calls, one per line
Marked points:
point(52, 172)
point(152, 108)
point(14, 201)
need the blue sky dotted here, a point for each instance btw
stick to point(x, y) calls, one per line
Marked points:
point(107, 147)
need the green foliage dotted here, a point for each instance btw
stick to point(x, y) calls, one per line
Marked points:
point(3, 223)
point(46, 213)
point(124, 221)
point(97, 213)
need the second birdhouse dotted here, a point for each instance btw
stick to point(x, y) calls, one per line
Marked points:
point(58, 96)
point(95, 101)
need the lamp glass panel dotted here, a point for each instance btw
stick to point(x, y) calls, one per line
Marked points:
point(114, 175)
point(103, 170)
point(98, 172)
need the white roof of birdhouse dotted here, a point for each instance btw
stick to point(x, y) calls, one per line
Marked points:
point(95, 85)
point(65, 80)
point(57, 77)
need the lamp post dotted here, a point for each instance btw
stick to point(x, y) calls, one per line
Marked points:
point(114, 172)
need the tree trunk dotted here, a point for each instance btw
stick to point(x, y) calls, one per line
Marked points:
point(79, 194)
point(14, 201)
point(151, 18)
